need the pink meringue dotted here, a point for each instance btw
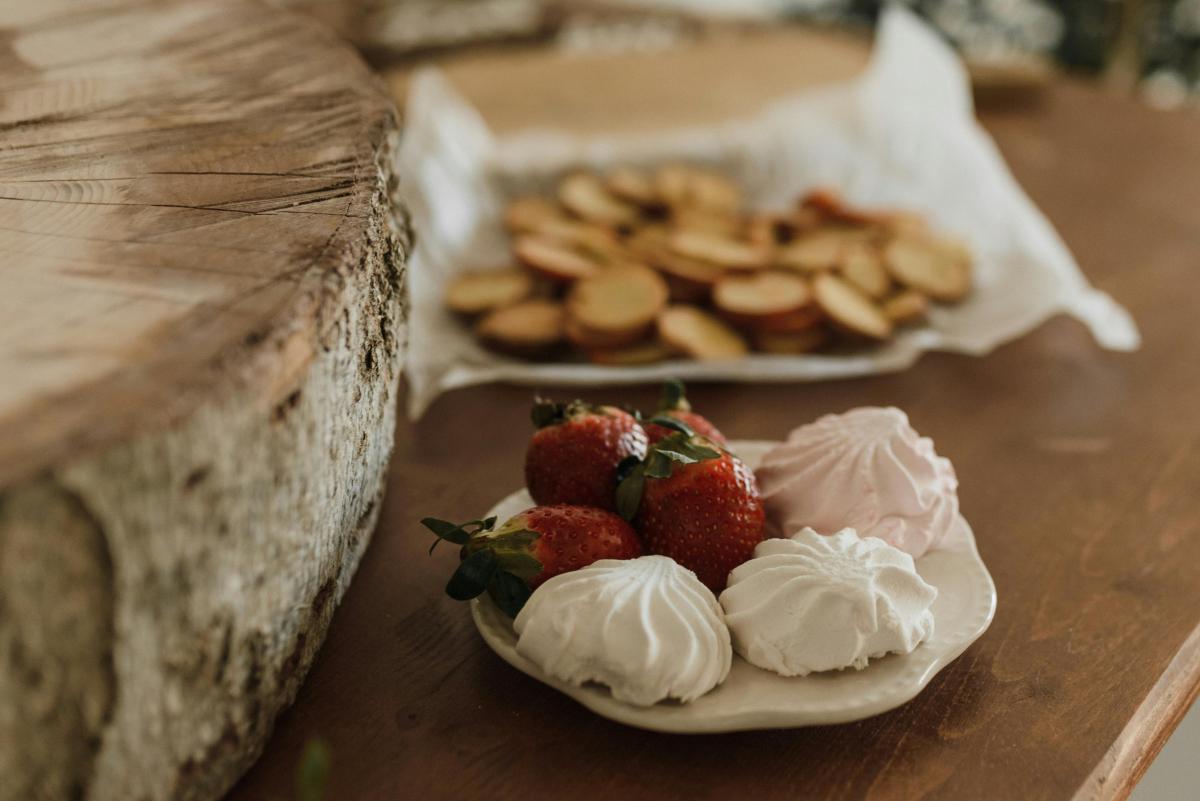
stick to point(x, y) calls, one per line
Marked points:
point(866, 469)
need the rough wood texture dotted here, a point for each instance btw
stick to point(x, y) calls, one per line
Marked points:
point(1078, 473)
point(386, 30)
point(200, 339)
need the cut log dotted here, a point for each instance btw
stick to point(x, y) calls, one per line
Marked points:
point(200, 339)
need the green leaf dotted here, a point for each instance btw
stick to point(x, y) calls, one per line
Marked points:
point(693, 447)
point(626, 466)
point(509, 592)
point(677, 448)
point(702, 453)
point(676, 439)
point(472, 576)
point(513, 548)
point(521, 564)
point(673, 424)
point(455, 534)
point(657, 465)
point(629, 493)
point(678, 456)
point(446, 530)
point(312, 772)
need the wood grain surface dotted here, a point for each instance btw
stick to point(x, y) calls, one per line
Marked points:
point(172, 188)
point(201, 330)
point(1078, 471)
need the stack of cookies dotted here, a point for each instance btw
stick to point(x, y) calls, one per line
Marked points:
point(634, 267)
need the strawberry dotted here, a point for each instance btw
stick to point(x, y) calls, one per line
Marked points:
point(695, 503)
point(531, 547)
point(674, 404)
point(573, 456)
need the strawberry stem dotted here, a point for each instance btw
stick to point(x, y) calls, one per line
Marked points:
point(546, 412)
point(498, 561)
point(455, 533)
point(680, 448)
point(674, 397)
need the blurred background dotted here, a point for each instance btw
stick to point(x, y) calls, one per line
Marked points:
point(1147, 47)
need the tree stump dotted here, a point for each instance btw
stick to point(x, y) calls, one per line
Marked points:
point(201, 327)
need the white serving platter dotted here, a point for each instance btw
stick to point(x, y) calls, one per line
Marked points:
point(752, 698)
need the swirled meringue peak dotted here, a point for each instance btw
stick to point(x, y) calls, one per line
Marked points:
point(645, 627)
point(866, 469)
point(814, 602)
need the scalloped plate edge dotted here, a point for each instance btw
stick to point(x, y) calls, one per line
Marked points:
point(845, 696)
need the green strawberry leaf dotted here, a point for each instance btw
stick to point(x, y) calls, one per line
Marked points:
point(446, 530)
point(626, 466)
point(473, 575)
point(658, 465)
point(678, 456)
point(511, 536)
point(693, 447)
point(509, 592)
point(677, 448)
point(523, 565)
point(673, 424)
point(702, 453)
point(513, 548)
point(455, 534)
point(629, 492)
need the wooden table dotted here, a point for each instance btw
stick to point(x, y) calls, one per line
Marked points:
point(1079, 473)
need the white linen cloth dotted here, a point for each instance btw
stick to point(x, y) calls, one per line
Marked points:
point(902, 135)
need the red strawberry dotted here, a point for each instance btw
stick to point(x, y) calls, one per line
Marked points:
point(674, 404)
point(696, 504)
point(573, 456)
point(531, 547)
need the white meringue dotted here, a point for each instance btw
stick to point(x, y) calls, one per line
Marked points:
point(813, 602)
point(866, 469)
point(645, 627)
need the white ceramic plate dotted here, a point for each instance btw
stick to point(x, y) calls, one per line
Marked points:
point(752, 698)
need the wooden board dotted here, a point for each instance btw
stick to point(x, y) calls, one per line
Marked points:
point(1078, 470)
point(160, 217)
point(200, 337)
point(698, 83)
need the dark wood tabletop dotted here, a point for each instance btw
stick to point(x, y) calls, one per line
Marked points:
point(1080, 472)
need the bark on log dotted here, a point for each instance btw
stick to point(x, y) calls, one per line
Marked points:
point(201, 328)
